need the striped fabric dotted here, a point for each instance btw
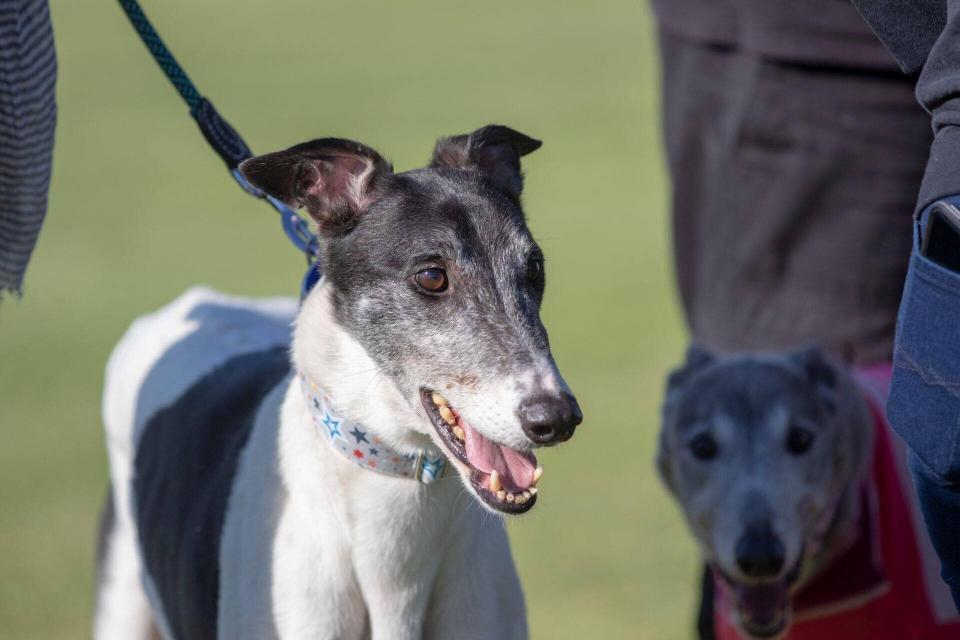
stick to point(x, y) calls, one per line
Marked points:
point(28, 113)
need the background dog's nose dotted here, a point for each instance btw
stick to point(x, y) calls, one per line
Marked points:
point(759, 552)
point(549, 419)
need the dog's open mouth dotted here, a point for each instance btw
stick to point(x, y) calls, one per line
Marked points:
point(763, 608)
point(504, 478)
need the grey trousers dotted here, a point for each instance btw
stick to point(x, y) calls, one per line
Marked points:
point(793, 189)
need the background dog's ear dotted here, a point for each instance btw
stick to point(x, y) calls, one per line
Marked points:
point(662, 460)
point(335, 180)
point(697, 359)
point(494, 151)
point(820, 371)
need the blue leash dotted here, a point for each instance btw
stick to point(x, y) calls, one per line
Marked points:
point(224, 140)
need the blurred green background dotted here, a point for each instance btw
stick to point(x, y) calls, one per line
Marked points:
point(140, 209)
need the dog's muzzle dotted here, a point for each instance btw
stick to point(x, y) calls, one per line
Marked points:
point(504, 478)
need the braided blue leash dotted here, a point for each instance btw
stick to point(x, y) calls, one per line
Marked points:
point(161, 54)
point(224, 139)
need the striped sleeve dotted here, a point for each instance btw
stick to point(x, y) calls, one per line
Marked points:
point(28, 69)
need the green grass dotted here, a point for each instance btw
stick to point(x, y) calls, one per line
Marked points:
point(140, 210)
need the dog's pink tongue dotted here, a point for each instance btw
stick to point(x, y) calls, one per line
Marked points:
point(515, 470)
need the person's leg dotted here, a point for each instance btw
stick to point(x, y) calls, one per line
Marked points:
point(792, 188)
point(695, 101)
point(792, 192)
point(705, 630)
point(924, 402)
point(941, 512)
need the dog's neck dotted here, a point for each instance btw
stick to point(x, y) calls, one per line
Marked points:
point(331, 358)
point(360, 445)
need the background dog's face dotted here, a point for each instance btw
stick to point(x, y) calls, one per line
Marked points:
point(436, 275)
point(758, 450)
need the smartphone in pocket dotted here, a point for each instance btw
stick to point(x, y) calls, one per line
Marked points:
point(941, 240)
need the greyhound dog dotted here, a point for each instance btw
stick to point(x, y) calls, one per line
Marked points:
point(765, 455)
point(796, 491)
point(321, 490)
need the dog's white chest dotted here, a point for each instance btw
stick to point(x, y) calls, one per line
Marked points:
point(316, 547)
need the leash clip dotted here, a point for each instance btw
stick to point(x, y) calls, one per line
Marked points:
point(296, 228)
point(224, 139)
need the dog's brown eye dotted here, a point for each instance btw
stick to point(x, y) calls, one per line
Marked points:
point(535, 268)
point(704, 447)
point(799, 440)
point(433, 279)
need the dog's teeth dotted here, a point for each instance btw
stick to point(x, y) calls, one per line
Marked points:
point(526, 495)
point(501, 495)
point(511, 497)
point(438, 399)
point(533, 491)
point(495, 481)
point(521, 499)
point(459, 432)
point(447, 415)
point(537, 474)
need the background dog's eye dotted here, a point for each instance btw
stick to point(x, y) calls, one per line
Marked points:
point(799, 440)
point(535, 268)
point(433, 279)
point(704, 447)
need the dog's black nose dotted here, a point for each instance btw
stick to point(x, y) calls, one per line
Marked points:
point(549, 419)
point(759, 552)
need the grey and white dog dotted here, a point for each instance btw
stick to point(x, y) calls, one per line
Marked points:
point(265, 490)
point(765, 455)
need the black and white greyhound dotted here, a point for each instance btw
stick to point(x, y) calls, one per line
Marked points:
point(263, 490)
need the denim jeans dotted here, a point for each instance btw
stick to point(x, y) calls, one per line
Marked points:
point(924, 403)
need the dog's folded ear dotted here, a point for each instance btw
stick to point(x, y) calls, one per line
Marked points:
point(335, 180)
point(493, 151)
point(697, 358)
point(820, 371)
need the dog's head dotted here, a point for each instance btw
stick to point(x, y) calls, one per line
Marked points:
point(759, 451)
point(435, 274)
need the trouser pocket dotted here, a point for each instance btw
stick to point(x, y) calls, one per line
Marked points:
point(924, 403)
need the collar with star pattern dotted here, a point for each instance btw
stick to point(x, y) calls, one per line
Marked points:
point(364, 448)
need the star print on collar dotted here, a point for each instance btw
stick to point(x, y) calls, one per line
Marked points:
point(330, 423)
point(427, 465)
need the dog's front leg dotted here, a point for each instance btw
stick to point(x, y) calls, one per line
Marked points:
point(395, 610)
point(288, 580)
point(478, 595)
point(286, 569)
point(395, 581)
point(315, 593)
point(395, 562)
